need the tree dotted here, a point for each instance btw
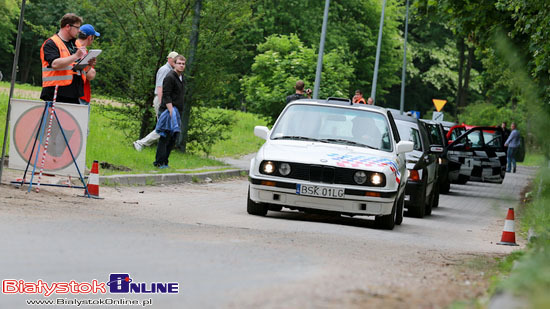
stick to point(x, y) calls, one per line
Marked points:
point(352, 29)
point(282, 61)
point(136, 37)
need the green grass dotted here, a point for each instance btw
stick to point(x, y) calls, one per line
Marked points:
point(242, 141)
point(20, 86)
point(530, 277)
point(107, 144)
point(532, 159)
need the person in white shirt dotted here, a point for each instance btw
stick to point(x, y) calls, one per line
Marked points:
point(161, 74)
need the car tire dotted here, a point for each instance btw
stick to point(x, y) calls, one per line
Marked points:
point(462, 179)
point(387, 222)
point(418, 211)
point(430, 202)
point(400, 209)
point(257, 209)
point(435, 203)
point(445, 186)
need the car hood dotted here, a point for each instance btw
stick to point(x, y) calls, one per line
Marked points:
point(327, 154)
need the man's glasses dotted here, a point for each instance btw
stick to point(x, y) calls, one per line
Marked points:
point(78, 28)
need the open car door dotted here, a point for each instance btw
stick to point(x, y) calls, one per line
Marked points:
point(477, 155)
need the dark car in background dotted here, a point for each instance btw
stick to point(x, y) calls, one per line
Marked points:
point(422, 189)
point(436, 133)
point(477, 155)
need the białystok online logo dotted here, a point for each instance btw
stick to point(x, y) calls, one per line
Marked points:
point(118, 283)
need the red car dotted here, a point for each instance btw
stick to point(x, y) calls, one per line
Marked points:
point(456, 131)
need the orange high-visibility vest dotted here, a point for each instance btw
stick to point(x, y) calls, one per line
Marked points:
point(87, 89)
point(60, 77)
point(360, 101)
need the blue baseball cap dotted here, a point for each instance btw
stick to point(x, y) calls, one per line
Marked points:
point(88, 29)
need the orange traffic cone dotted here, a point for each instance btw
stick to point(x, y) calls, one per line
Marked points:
point(508, 233)
point(93, 181)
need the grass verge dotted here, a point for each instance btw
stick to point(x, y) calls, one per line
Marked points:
point(106, 144)
point(526, 273)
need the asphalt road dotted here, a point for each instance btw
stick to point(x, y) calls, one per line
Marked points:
point(200, 236)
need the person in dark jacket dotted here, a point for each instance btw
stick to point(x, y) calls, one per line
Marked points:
point(172, 104)
point(299, 92)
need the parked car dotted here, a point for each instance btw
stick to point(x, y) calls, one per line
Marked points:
point(457, 130)
point(436, 134)
point(331, 156)
point(422, 191)
point(447, 126)
point(477, 155)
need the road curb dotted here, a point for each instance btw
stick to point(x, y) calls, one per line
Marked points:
point(171, 178)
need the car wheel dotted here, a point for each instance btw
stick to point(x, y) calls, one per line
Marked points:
point(253, 208)
point(400, 209)
point(445, 186)
point(430, 202)
point(387, 222)
point(462, 179)
point(419, 210)
point(435, 203)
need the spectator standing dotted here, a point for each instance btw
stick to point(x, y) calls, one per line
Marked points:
point(505, 130)
point(299, 94)
point(58, 55)
point(172, 103)
point(161, 74)
point(370, 101)
point(358, 97)
point(513, 143)
point(85, 38)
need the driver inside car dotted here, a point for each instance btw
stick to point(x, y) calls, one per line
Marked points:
point(364, 131)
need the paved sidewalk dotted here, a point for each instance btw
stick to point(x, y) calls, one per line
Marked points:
point(237, 167)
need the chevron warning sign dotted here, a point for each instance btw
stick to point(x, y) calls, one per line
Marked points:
point(439, 104)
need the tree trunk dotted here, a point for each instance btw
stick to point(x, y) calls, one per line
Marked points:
point(460, 70)
point(193, 42)
point(464, 96)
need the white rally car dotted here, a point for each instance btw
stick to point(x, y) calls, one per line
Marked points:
point(331, 156)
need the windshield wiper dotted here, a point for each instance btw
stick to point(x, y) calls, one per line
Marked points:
point(296, 137)
point(345, 141)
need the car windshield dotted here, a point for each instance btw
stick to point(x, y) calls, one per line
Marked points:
point(334, 125)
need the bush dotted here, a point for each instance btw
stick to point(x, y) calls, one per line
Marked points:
point(207, 127)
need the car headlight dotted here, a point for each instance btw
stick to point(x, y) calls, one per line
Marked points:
point(268, 167)
point(284, 169)
point(376, 179)
point(360, 177)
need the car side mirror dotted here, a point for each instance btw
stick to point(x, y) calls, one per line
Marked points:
point(405, 146)
point(436, 149)
point(261, 132)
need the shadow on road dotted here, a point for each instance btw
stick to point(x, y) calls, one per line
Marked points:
point(364, 222)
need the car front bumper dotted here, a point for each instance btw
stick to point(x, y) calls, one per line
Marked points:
point(353, 203)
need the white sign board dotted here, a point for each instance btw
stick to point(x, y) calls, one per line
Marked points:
point(25, 136)
point(437, 116)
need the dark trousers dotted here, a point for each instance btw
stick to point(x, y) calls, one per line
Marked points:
point(164, 147)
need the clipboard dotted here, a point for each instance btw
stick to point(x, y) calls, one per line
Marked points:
point(82, 63)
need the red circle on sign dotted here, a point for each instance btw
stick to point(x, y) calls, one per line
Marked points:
point(58, 155)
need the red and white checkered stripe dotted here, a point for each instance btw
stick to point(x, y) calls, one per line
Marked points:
point(47, 140)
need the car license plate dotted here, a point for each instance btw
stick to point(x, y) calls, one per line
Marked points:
point(320, 191)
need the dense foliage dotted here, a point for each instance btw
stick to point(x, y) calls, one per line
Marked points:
point(458, 50)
